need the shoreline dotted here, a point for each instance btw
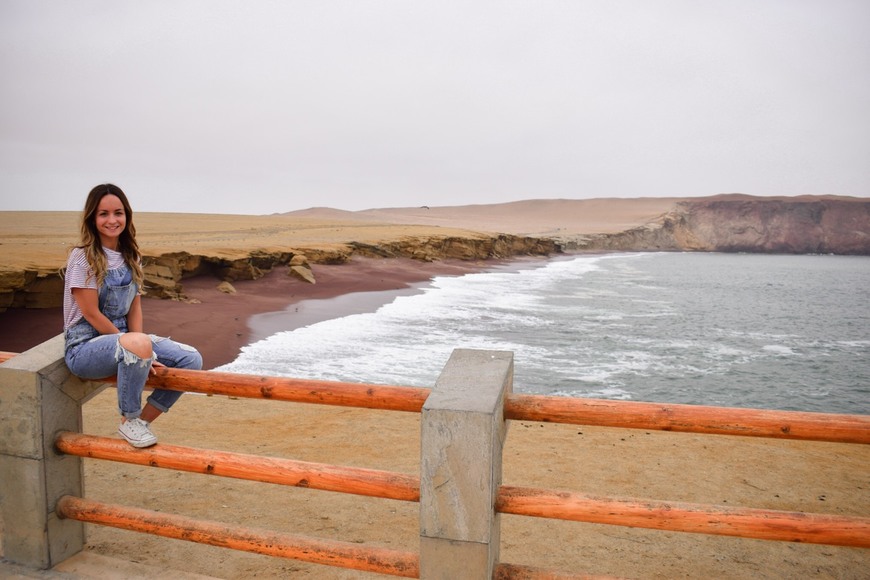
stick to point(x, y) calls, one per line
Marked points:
point(312, 310)
point(219, 325)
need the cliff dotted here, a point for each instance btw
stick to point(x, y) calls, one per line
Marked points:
point(177, 246)
point(164, 273)
point(740, 223)
point(25, 287)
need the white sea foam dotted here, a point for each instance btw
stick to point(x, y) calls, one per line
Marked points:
point(637, 326)
point(779, 349)
point(605, 393)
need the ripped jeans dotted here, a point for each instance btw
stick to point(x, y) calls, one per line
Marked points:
point(103, 356)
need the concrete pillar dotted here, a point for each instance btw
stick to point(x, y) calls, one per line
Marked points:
point(38, 398)
point(463, 433)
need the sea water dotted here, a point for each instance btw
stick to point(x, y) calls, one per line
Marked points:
point(740, 330)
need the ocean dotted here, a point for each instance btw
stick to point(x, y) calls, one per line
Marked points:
point(736, 330)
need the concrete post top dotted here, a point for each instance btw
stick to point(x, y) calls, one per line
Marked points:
point(472, 377)
point(39, 357)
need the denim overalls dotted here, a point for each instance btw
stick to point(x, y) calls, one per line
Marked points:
point(91, 355)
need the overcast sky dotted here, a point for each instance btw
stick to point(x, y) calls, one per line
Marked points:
point(270, 106)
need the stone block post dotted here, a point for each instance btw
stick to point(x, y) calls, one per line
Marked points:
point(38, 398)
point(463, 432)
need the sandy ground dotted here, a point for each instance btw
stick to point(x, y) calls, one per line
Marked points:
point(730, 471)
point(554, 217)
point(40, 240)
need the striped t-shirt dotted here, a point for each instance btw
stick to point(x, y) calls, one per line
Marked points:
point(79, 275)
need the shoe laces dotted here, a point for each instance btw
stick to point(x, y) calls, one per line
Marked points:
point(137, 426)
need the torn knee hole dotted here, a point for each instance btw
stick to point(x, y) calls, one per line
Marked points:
point(129, 357)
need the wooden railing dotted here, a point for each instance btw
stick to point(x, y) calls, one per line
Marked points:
point(633, 512)
point(593, 412)
point(526, 501)
point(269, 543)
point(835, 428)
point(352, 480)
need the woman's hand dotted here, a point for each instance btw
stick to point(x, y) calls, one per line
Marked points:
point(154, 364)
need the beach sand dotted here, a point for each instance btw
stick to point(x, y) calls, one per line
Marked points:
point(729, 471)
point(218, 323)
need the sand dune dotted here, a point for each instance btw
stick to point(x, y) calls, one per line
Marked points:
point(529, 217)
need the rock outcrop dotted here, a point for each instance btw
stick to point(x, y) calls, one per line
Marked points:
point(30, 289)
point(226, 288)
point(786, 226)
point(164, 274)
point(441, 248)
point(738, 223)
point(301, 269)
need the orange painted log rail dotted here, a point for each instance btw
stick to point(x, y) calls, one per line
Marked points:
point(594, 412)
point(633, 512)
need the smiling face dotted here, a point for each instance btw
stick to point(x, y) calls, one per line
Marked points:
point(110, 220)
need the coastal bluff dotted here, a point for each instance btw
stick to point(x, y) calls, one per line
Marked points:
point(229, 248)
point(739, 223)
point(34, 245)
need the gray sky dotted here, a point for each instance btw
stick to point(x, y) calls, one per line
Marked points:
point(270, 106)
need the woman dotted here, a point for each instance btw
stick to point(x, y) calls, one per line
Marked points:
point(103, 315)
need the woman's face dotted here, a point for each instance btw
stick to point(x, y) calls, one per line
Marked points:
point(111, 219)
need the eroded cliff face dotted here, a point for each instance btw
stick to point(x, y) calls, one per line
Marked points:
point(727, 223)
point(164, 274)
point(736, 223)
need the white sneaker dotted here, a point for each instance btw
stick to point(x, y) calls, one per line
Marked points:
point(137, 433)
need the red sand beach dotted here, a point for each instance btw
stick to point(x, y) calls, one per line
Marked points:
point(217, 323)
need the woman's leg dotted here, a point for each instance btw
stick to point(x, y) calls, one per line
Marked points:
point(127, 356)
point(172, 354)
point(115, 354)
point(134, 363)
point(150, 412)
point(134, 366)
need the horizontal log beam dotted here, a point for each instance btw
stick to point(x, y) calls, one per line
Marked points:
point(701, 419)
point(352, 480)
point(632, 512)
point(830, 427)
point(282, 545)
point(687, 517)
point(385, 397)
point(328, 552)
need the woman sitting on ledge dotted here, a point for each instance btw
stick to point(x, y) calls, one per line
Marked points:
point(102, 307)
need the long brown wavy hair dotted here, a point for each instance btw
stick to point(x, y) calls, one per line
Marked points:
point(90, 240)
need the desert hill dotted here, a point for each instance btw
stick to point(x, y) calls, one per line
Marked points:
point(539, 217)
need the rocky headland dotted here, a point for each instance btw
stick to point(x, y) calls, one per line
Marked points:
point(33, 245)
point(741, 223)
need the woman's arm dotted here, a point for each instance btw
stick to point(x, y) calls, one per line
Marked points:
point(134, 324)
point(134, 315)
point(89, 303)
